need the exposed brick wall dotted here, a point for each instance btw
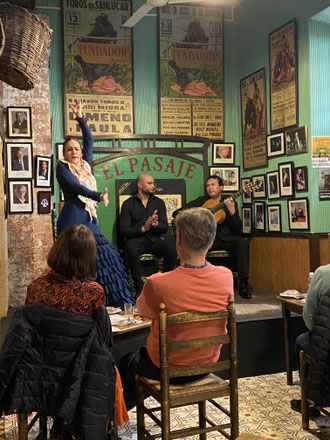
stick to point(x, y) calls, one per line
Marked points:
point(29, 235)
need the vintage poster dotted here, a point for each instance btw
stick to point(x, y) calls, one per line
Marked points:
point(283, 77)
point(253, 110)
point(321, 151)
point(324, 184)
point(98, 65)
point(191, 71)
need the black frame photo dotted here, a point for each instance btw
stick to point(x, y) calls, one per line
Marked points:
point(19, 122)
point(298, 213)
point(246, 219)
point(260, 192)
point(20, 199)
point(44, 202)
point(296, 140)
point(43, 171)
point(259, 216)
point(275, 145)
point(274, 218)
point(229, 175)
point(285, 171)
point(273, 185)
point(19, 160)
point(246, 196)
point(301, 179)
point(223, 153)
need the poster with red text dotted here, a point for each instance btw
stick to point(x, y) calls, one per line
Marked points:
point(191, 71)
point(98, 65)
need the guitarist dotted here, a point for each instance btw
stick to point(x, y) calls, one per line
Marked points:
point(229, 230)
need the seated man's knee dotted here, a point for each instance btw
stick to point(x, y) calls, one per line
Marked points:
point(131, 249)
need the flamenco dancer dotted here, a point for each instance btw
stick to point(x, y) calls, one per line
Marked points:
point(78, 184)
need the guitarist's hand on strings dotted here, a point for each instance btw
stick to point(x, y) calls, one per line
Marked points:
point(151, 221)
point(230, 204)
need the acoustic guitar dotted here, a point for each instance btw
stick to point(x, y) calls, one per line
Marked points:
point(217, 208)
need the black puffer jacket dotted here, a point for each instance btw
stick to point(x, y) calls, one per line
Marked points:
point(319, 371)
point(60, 364)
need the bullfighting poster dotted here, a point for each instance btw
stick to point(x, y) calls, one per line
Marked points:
point(191, 71)
point(253, 110)
point(98, 65)
point(283, 77)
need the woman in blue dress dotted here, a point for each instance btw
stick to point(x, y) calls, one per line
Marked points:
point(78, 184)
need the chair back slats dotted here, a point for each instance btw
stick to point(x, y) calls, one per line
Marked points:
point(191, 316)
point(199, 369)
point(197, 343)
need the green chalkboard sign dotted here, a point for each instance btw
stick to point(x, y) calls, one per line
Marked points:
point(179, 178)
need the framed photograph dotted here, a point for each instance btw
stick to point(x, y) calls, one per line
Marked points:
point(246, 196)
point(253, 120)
point(259, 216)
point(247, 219)
point(274, 218)
point(43, 171)
point(260, 191)
point(223, 153)
point(301, 178)
point(229, 175)
point(19, 122)
point(20, 197)
point(275, 145)
point(324, 184)
point(273, 185)
point(44, 202)
point(19, 160)
point(298, 214)
point(59, 151)
point(286, 171)
point(283, 78)
point(296, 140)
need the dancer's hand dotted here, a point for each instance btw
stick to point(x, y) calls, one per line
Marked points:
point(77, 108)
point(104, 197)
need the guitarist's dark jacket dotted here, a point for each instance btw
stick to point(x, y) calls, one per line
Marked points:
point(232, 225)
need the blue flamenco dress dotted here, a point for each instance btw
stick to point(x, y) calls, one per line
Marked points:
point(111, 272)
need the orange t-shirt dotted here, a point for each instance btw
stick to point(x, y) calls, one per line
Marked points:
point(206, 289)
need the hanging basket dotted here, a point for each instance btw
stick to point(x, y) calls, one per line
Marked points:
point(27, 38)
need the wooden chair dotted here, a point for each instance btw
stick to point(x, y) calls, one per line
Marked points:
point(196, 392)
point(306, 403)
point(24, 427)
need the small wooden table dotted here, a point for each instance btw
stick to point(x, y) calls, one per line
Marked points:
point(130, 338)
point(289, 305)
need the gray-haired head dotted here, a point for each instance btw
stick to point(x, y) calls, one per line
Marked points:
point(197, 227)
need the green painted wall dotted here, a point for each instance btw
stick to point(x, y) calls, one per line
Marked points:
point(246, 50)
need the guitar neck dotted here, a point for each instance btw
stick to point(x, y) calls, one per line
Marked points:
point(221, 205)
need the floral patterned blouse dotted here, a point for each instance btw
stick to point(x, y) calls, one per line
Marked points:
point(74, 295)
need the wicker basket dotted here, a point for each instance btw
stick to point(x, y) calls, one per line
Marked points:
point(27, 39)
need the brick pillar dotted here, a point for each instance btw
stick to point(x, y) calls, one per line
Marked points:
point(29, 236)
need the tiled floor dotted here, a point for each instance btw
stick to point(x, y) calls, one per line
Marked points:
point(264, 409)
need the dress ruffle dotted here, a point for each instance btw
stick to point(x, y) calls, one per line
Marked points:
point(111, 273)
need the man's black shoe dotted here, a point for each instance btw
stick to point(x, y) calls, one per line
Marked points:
point(243, 289)
point(296, 406)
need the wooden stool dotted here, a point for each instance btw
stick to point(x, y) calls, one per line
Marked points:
point(24, 427)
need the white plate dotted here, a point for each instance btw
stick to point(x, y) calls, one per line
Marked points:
point(114, 311)
point(291, 294)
